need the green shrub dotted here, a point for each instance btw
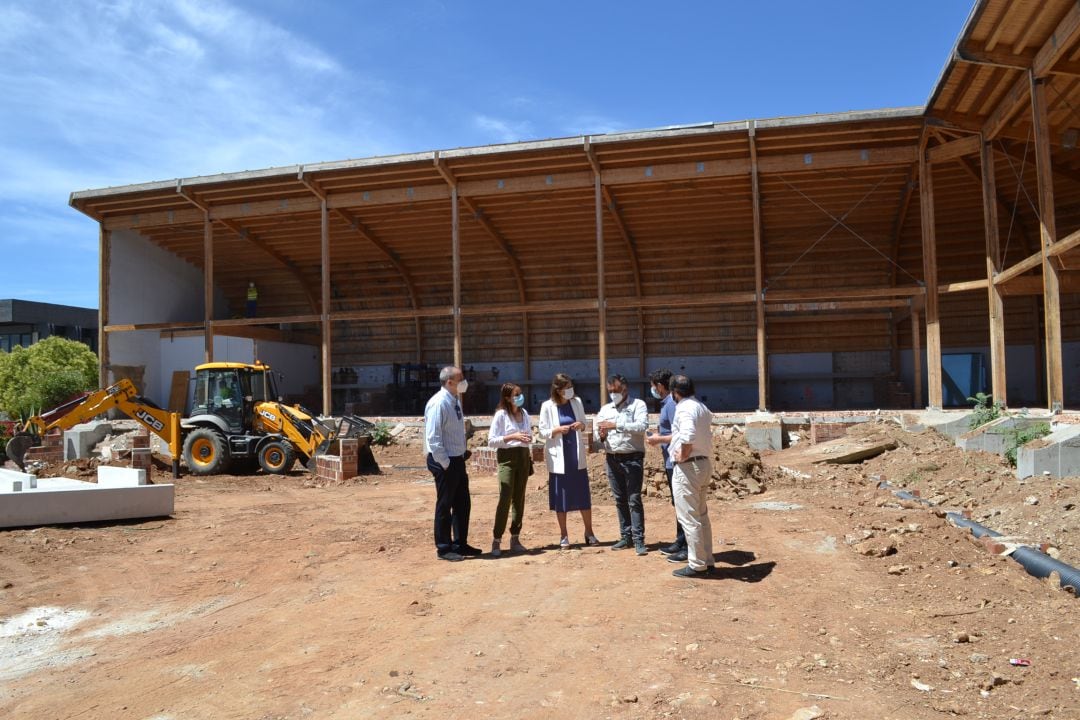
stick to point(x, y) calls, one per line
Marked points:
point(986, 410)
point(1018, 437)
point(44, 375)
point(380, 435)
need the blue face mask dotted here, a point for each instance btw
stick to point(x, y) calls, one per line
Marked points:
point(655, 394)
point(519, 400)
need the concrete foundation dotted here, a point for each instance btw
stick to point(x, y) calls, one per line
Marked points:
point(1058, 454)
point(53, 501)
point(995, 437)
point(952, 424)
point(81, 439)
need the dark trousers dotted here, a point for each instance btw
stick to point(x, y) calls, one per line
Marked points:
point(452, 504)
point(680, 534)
point(625, 472)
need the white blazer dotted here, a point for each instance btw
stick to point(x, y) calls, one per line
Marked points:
point(553, 444)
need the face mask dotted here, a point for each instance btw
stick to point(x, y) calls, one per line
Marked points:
point(568, 393)
point(616, 397)
point(462, 387)
point(655, 394)
point(519, 400)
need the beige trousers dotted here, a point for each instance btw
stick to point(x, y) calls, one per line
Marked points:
point(690, 486)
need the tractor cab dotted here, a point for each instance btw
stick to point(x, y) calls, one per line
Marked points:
point(230, 392)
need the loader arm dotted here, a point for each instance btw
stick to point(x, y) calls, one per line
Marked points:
point(124, 397)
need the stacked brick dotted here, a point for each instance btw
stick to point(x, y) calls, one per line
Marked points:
point(349, 453)
point(824, 431)
point(50, 451)
point(140, 450)
point(485, 460)
point(328, 469)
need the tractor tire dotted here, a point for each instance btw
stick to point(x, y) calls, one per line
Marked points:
point(277, 457)
point(206, 452)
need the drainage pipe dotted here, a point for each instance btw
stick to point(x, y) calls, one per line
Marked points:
point(1037, 564)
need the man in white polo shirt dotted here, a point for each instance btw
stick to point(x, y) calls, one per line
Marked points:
point(691, 451)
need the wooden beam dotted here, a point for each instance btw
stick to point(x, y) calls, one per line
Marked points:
point(759, 275)
point(815, 307)
point(324, 321)
point(828, 293)
point(601, 305)
point(289, 265)
point(104, 261)
point(208, 288)
point(954, 149)
point(1029, 263)
point(916, 357)
point(929, 246)
point(1048, 233)
point(995, 306)
point(1065, 244)
point(455, 257)
point(1007, 107)
point(965, 286)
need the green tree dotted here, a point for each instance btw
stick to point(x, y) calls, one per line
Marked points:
point(45, 374)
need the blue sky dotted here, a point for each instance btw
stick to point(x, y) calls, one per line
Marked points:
point(98, 93)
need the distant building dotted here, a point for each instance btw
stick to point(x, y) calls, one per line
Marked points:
point(23, 323)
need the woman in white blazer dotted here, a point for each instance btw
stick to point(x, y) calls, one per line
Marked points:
point(562, 427)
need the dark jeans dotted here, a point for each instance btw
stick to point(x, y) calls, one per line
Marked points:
point(452, 504)
point(625, 472)
point(680, 535)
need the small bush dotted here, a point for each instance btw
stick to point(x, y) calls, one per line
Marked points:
point(1018, 437)
point(381, 434)
point(986, 410)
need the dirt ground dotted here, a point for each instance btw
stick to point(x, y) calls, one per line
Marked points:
point(274, 597)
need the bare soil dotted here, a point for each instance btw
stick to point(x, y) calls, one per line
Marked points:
point(275, 597)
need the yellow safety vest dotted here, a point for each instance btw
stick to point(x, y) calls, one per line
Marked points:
point(253, 293)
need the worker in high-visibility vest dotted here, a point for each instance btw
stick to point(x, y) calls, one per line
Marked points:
point(252, 299)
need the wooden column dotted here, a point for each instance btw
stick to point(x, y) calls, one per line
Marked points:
point(324, 276)
point(759, 278)
point(916, 356)
point(601, 301)
point(929, 248)
point(1055, 389)
point(455, 249)
point(104, 253)
point(208, 289)
point(993, 267)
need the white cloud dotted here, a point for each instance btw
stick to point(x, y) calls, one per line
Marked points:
point(502, 130)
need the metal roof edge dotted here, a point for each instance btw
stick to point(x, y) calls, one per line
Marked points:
point(977, 9)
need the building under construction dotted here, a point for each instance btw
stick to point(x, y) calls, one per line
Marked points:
point(890, 258)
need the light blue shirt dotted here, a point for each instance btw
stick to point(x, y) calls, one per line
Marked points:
point(444, 427)
point(667, 415)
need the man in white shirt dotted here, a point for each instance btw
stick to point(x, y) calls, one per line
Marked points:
point(691, 452)
point(620, 426)
point(444, 447)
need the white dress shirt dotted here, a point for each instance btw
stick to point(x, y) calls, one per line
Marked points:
point(691, 426)
point(504, 424)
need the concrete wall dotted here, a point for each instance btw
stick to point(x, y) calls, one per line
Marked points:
point(298, 363)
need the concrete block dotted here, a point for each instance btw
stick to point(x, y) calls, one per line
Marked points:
point(62, 500)
point(764, 431)
point(80, 440)
point(994, 437)
point(120, 476)
point(1058, 453)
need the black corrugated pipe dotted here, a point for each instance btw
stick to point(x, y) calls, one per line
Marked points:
point(1038, 564)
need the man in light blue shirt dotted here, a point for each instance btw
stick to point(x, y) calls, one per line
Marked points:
point(661, 380)
point(444, 447)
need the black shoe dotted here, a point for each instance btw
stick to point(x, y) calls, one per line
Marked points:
point(672, 549)
point(468, 550)
point(689, 572)
point(677, 557)
point(624, 542)
point(451, 556)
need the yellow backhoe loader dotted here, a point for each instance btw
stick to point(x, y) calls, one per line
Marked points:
point(237, 416)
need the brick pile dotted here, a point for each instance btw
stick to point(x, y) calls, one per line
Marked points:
point(824, 431)
point(50, 451)
point(349, 453)
point(485, 459)
point(140, 450)
point(328, 469)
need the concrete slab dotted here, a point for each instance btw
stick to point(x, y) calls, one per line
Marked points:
point(80, 440)
point(1058, 454)
point(764, 431)
point(952, 424)
point(63, 500)
point(120, 476)
point(995, 437)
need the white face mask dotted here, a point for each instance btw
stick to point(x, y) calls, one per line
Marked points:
point(462, 387)
point(567, 393)
point(616, 397)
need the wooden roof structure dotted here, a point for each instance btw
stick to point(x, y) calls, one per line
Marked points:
point(818, 233)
